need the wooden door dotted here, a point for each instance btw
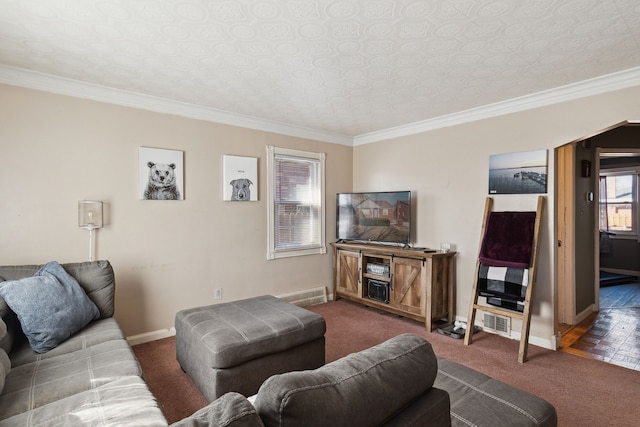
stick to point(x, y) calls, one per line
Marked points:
point(348, 271)
point(565, 245)
point(408, 285)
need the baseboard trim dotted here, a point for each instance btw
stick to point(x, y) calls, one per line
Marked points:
point(584, 314)
point(619, 271)
point(151, 336)
point(306, 297)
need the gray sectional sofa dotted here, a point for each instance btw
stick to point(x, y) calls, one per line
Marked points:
point(91, 376)
point(399, 383)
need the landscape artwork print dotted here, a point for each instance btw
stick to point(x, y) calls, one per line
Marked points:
point(518, 173)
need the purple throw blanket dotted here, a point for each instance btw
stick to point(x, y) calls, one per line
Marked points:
point(508, 239)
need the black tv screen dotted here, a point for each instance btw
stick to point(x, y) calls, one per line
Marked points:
point(374, 216)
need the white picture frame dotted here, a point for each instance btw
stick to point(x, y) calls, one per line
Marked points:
point(239, 178)
point(161, 174)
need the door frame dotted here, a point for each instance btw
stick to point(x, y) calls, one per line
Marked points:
point(565, 251)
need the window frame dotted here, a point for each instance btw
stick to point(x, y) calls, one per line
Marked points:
point(294, 250)
point(635, 203)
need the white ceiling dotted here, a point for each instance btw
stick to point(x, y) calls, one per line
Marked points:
point(336, 69)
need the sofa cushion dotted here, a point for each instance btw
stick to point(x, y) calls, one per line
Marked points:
point(431, 408)
point(3, 330)
point(97, 332)
point(46, 380)
point(370, 386)
point(95, 277)
point(50, 305)
point(8, 318)
point(5, 367)
point(124, 401)
point(4, 308)
point(229, 410)
point(5, 363)
point(13, 331)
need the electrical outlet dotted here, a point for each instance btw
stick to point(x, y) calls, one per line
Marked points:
point(217, 294)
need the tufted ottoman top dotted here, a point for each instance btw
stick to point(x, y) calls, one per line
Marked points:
point(235, 332)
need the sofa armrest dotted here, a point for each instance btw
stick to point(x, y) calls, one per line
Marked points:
point(229, 410)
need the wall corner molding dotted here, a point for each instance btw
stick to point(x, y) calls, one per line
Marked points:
point(63, 86)
point(596, 86)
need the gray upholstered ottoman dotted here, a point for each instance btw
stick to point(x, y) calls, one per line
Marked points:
point(236, 346)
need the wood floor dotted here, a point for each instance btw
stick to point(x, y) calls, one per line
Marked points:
point(613, 334)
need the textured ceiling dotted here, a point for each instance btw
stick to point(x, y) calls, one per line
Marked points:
point(341, 67)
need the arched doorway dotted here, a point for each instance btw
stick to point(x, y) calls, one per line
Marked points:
point(578, 229)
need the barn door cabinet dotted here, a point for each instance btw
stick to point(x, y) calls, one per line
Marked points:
point(404, 281)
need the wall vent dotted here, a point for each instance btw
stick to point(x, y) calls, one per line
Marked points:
point(498, 324)
point(306, 297)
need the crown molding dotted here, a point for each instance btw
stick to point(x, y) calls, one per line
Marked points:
point(603, 84)
point(49, 83)
point(62, 86)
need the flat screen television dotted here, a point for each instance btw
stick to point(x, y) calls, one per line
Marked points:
point(374, 216)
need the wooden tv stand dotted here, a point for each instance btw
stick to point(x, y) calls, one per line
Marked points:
point(420, 285)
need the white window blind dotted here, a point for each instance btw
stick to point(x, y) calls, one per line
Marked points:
point(296, 203)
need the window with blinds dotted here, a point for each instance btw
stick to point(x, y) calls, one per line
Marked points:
point(618, 203)
point(296, 202)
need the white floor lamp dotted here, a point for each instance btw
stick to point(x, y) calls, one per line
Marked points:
point(90, 217)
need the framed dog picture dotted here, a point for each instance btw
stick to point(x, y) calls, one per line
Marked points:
point(240, 178)
point(161, 174)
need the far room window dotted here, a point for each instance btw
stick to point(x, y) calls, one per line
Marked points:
point(296, 202)
point(619, 203)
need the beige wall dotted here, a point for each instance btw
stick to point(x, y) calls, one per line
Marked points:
point(447, 170)
point(57, 150)
point(169, 255)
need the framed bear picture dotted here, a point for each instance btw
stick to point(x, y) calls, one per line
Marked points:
point(240, 178)
point(161, 174)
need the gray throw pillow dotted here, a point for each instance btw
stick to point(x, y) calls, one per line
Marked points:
point(50, 305)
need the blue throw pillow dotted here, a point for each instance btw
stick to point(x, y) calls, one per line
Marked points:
point(51, 306)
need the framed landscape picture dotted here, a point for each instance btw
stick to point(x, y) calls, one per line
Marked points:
point(518, 173)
